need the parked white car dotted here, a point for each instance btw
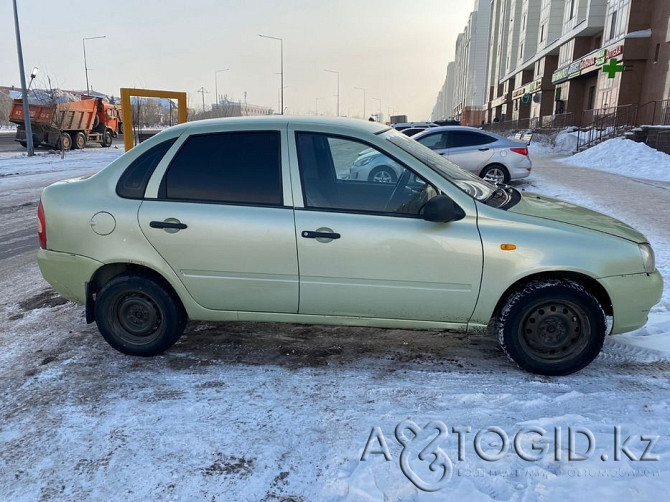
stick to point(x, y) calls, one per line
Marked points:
point(486, 154)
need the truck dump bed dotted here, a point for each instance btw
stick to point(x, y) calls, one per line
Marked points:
point(70, 116)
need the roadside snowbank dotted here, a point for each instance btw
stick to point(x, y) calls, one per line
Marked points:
point(625, 157)
point(564, 143)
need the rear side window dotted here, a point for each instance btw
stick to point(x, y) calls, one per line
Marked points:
point(434, 141)
point(238, 167)
point(467, 138)
point(133, 182)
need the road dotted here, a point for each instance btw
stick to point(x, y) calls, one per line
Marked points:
point(251, 411)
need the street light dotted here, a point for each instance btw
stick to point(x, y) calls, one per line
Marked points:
point(338, 89)
point(379, 114)
point(281, 40)
point(24, 91)
point(216, 85)
point(362, 89)
point(33, 74)
point(83, 43)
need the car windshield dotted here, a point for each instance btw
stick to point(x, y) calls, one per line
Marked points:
point(465, 181)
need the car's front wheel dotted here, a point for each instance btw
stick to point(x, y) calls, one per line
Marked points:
point(551, 327)
point(138, 317)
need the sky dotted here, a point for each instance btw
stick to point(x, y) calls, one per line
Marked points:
point(397, 50)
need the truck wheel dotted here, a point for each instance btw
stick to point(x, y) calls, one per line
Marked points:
point(80, 141)
point(551, 327)
point(107, 139)
point(23, 144)
point(64, 142)
point(138, 317)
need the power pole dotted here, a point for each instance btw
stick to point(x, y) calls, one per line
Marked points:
point(202, 91)
point(24, 91)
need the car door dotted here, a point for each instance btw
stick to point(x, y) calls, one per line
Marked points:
point(469, 149)
point(363, 249)
point(222, 222)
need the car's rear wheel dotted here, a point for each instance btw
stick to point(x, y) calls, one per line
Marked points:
point(383, 174)
point(137, 316)
point(551, 327)
point(496, 173)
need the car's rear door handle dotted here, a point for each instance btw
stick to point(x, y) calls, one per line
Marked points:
point(168, 224)
point(308, 234)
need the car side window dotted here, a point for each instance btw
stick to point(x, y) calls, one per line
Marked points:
point(347, 175)
point(236, 167)
point(133, 182)
point(467, 138)
point(434, 141)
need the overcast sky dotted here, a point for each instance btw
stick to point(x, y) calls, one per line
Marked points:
point(397, 50)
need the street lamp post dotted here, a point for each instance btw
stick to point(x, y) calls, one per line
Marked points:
point(216, 85)
point(379, 113)
point(362, 89)
point(281, 40)
point(83, 43)
point(24, 92)
point(338, 89)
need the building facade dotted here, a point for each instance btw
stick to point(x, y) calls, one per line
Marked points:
point(464, 88)
point(573, 58)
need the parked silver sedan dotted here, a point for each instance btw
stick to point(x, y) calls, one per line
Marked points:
point(486, 154)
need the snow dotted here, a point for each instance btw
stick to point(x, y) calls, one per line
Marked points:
point(251, 411)
point(625, 157)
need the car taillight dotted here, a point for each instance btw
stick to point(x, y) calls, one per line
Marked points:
point(41, 226)
point(522, 151)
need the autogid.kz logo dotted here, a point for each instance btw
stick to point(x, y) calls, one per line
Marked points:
point(424, 460)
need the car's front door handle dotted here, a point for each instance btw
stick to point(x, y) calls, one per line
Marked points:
point(168, 224)
point(308, 234)
point(483, 149)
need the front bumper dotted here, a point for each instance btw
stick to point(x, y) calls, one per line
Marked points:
point(67, 273)
point(632, 298)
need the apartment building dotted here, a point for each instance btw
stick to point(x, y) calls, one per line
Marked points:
point(548, 57)
point(469, 69)
point(444, 106)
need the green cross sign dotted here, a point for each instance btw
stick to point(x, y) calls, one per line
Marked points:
point(612, 67)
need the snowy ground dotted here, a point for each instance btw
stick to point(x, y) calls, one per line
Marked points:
point(246, 411)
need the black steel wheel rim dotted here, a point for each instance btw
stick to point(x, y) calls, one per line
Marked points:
point(138, 318)
point(554, 331)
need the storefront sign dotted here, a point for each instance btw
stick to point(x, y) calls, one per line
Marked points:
point(588, 62)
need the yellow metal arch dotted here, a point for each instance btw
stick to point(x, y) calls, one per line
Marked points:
point(127, 92)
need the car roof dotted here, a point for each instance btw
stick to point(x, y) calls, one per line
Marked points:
point(433, 130)
point(281, 121)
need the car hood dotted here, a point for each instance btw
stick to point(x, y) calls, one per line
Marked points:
point(558, 210)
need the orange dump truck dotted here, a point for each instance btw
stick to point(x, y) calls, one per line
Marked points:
point(69, 125)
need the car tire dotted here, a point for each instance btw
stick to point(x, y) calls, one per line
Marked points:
point(139, 317)
point(383, 174)
point(551, 327)
point(24, 144)
point(496, 173)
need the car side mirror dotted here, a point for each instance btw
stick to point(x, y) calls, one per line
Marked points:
point(441, 209)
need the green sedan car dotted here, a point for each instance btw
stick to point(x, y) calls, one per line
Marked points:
point(258, 219)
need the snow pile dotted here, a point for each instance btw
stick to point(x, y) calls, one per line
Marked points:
point(625, 157)
point(563, 143)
